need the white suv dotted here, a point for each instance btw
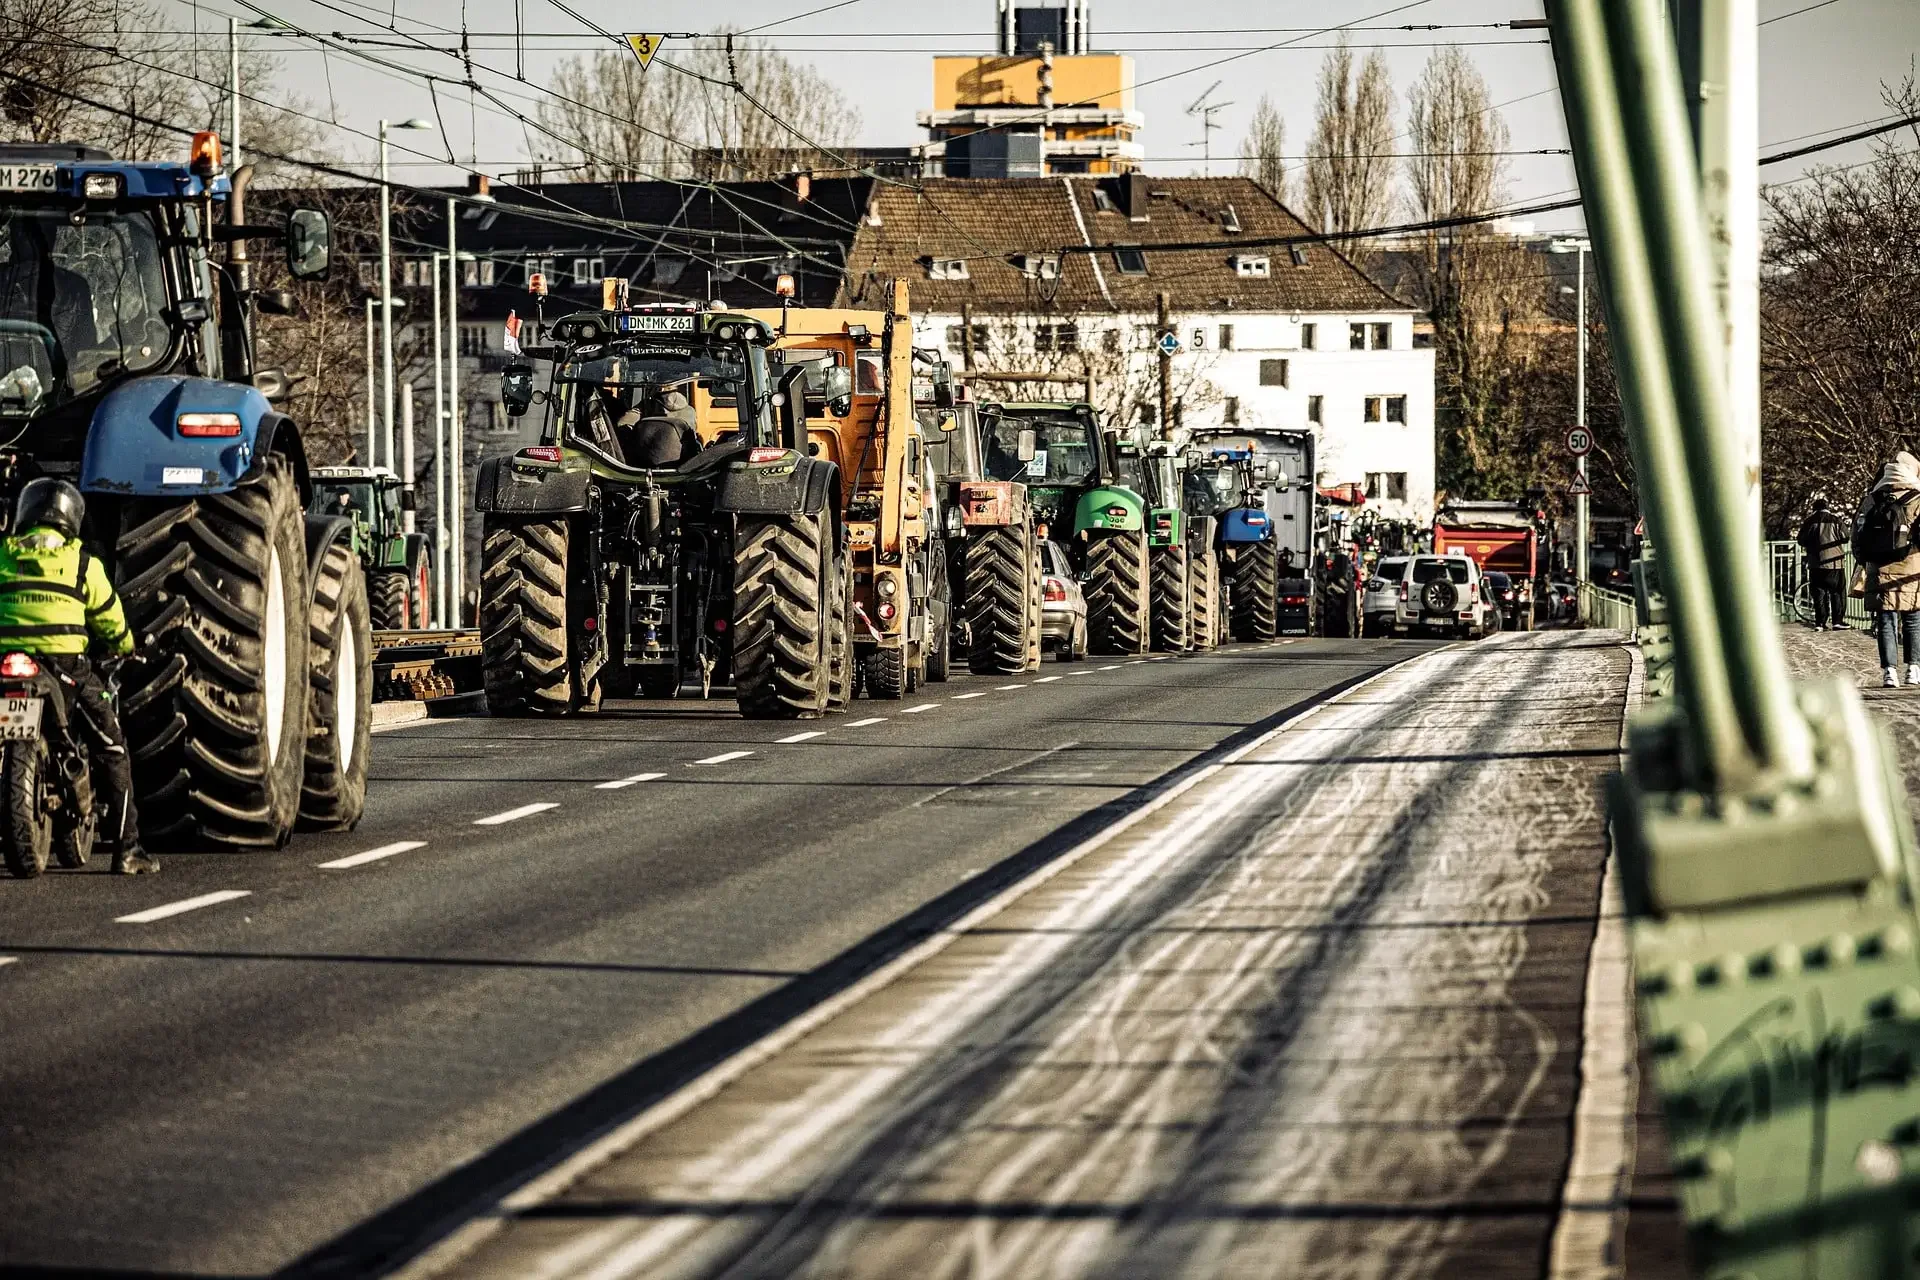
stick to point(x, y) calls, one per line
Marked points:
point(1382, 596)
point(1443, 594)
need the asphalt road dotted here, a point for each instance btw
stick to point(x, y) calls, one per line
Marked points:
point(315, 1072)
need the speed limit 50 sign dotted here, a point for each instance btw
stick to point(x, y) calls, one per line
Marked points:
point(1579, 441)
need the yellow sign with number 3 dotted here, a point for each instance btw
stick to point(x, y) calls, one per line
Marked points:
point(644, 47)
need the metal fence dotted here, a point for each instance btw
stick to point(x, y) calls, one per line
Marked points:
point(1792, 585)
point(1609, 610)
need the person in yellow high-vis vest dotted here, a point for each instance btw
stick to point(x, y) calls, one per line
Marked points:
point(56, 603)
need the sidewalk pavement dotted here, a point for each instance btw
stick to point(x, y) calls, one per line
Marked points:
point(1334, 1005)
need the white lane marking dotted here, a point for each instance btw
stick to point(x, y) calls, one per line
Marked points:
point(801, 737)
point(1003, 688)
point(1114, 667)
point(184, 905)
point(618, 783)
point(1046, 679)
point(1162, 658)
point(372, 855)
point(861, 724)
point(7, 960)
point(725, 756)
point(925, 706)
point(962, 697)
point(1072, 674)
point(514, 815)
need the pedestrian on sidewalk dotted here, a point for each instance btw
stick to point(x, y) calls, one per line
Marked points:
point(1823, 537)
point(1884, 541)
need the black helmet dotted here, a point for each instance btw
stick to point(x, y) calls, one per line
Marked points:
point(52, 504)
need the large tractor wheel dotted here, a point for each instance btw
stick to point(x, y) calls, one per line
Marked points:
point(340, 694)
point(999, 594)
point(387, 600)
point(1036, 617)
point(1256, 592)
point(1118, 592)
point(1204, 573)
point(884, 674)
point(842, 674)
point(420, 596)
point(783, 581)
point(523, 618)
point(1172, 599)
point(215, 705)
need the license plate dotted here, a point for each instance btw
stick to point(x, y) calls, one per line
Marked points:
point(656, 324)
point(26, 177)
point(182, 475)
point(19, 718)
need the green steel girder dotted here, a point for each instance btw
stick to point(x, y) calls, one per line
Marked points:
point(1766, 853)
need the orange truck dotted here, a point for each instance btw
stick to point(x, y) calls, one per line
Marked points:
point(1500, 538)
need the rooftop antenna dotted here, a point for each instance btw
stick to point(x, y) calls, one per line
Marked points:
point(1205, 110)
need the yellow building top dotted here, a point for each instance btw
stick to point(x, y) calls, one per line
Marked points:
point(1103, 80)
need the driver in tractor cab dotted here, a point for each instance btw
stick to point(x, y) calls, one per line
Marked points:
point(54, 599)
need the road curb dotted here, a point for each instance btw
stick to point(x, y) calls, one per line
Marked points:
point(391, 715)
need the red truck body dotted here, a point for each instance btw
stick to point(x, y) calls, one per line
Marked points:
point(1499, 539)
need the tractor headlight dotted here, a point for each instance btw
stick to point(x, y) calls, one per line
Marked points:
point(887, 586)
point(102, 186)
point(956, 522)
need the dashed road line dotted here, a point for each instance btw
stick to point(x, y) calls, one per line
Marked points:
point(725, 756)
point(7, 960)
point(925, 706)
point(962, 697)
point(1165, 657)
point(861, 724)
point(514, 815)
point(801, 737)
point(372, 855)
point(1003, 688)
point(1114, 667)
point(1046, 679)
point(1072, 674)
point(633, 780)
point(182, 907)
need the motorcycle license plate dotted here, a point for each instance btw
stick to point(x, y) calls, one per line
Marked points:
point(19, 718)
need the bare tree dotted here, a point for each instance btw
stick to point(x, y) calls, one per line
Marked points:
point(1349, 163)
point(611, 119)
point(1262, 154)
point(1840, 353)
point(1110, 360)
point(1455, 167)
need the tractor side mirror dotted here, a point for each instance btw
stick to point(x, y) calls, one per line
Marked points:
point(789, 403)
point(1029, 445)
point(275, 302)
point(943, 386)
point(274, 384)
point(309, 244)
point(516, 389)
point(836, 386)
point(1272, 474)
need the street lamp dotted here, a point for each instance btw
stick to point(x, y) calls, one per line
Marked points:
point(233, 77)
point(373, 434)
point(456, 412)
point(1580, 246)
point(386, 284)
point(445, 517)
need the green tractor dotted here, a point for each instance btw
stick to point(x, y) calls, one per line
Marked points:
point(399, 565)
point(1076, 480)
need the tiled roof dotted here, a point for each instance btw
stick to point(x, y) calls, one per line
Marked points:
point(990, 224)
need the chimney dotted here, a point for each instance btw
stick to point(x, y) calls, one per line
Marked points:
point(1005, 23)
point(1046, 75)
point(1129, 192)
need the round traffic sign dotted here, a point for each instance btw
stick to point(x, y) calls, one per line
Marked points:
point(1579, 441)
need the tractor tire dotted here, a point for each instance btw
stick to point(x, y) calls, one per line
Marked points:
point(215, 705)
point(1036, 617)
point(1172, 599)
point(1204, 573)
point(523, 618)
point(884, 673)
point(420, 597)
point(333, 792)
point(999, 594)
point(1256, 592)
point(783, 579)
point(1118, 593)
point(387, 599)
point(843, 676)
point(940, 642)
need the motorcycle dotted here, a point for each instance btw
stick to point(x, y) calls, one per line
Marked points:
point(46, 782)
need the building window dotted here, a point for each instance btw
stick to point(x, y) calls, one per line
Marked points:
point(957, 337)
point(1314, 407)
point(589, 270)
point(473, 340)
point(1309, 337)
point(1230, 411)
point(1357, 337)
point(1038, 266)
point(1298, 252)
point(947, 269)
point(1375, 408)
point(477, 273)
point(1226, 337)
point(1383, 337)
point(1131, 261)
point(542, 267)
point(1110, 341)
point(1252, 266)
point(1391, 485)
point(1056, 337)
point(1396, 408)
point(1147, 413)
point(1273, 373)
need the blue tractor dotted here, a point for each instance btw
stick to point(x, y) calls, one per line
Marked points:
point(127, 365)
